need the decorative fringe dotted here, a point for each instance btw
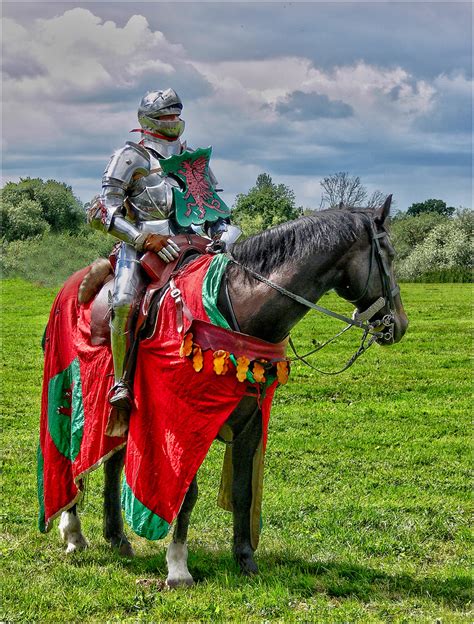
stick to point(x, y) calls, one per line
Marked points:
point(222, 361)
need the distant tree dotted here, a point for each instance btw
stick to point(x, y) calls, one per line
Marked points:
point(266, 204)
point(431, 205)
point(60, 209)
point(376, 199)
point(342, 188)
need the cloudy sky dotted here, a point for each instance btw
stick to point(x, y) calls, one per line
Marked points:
point(382, 90)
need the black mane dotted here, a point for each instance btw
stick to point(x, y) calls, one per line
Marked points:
point(319, 233)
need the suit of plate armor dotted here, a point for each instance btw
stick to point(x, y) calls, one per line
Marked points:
point(136, 201)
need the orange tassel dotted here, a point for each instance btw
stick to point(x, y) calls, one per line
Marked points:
point(186, 346)
point(221, 362)
point(242, 367)
point(198, 360)
point(283, 371)
point(259, 371)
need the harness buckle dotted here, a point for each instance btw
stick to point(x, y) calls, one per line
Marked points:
point(175, 293)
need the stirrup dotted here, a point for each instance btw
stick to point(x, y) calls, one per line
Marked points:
point(120, 395)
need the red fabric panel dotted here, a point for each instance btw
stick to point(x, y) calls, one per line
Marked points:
point(68, 337)
point(178, 412)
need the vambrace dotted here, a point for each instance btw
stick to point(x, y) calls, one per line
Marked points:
point(108, 218)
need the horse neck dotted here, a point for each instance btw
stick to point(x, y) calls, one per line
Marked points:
point(264, 312)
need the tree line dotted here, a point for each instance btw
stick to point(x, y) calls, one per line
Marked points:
point(433, 241)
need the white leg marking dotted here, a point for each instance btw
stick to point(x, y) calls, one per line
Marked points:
point(70, 531)
point(177, 560)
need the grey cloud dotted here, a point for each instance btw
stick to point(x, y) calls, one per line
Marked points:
point(452, 113)
point(22, 67)
point(186, 80)
point(306, 106)
point(426, 38)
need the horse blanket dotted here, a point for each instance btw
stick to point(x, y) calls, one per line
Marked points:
point(179, 407)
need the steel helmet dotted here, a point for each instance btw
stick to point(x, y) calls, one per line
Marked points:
point(155, 105)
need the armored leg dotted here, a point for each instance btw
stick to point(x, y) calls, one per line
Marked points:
point(129, 282)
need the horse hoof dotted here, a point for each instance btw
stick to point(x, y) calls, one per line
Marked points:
point(76, 544)
point(180, 581)
point(177, 560)
point(248, 568)
point(122, 546)
point(126, 550)
point(70, 531)
point(246, 562)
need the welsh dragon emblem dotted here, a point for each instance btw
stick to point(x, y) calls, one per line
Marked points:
point(198, 202)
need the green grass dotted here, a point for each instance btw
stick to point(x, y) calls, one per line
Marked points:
point(366, 502)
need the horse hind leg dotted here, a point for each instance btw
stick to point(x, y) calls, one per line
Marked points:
point(177, 553)
point(70, 531)
point(113, 521)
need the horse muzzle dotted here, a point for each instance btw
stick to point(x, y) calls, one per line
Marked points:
point(392, 328)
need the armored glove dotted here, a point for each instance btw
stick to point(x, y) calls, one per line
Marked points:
point(167, 249)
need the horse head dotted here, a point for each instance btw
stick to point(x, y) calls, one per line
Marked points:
point(368, 279)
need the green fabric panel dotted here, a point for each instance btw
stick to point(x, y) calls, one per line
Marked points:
point(142, 520)
point(59, 425)
point(40, 484)
point(77, 415)
point(66, 430)
point(210, 289)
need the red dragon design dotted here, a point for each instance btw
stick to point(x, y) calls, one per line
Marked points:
point(199, 193)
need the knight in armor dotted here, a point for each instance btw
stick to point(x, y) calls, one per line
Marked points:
point(137, 206)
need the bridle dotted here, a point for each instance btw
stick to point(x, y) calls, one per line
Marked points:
point(371, 331)
point(388, 292)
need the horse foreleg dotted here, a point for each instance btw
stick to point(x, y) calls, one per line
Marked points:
point(244, 446)
point(70, 531)
point(113, 521)
point(177, 553)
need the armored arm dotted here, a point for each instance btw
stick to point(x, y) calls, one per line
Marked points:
point(107, 211)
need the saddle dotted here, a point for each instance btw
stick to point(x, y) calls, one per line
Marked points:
point(159, 274)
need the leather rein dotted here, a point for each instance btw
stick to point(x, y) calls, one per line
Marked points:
point(360, 320)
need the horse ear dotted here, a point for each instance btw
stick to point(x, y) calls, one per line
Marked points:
point(382, 213)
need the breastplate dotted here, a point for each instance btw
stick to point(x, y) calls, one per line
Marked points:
point(151, 196)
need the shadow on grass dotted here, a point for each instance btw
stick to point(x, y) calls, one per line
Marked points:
point(302, 578)
point(343, 579)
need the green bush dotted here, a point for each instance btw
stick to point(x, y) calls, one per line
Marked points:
point(52, 258)
point(23, 220)
point(58, 207)
point(408, 231)
point(445, 254)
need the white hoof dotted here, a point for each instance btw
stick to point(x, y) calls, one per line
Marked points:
point(177, 560)
point(70, 531)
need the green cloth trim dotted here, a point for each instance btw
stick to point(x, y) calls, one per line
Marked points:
point(210, 289)
point(66, 430)
point(40, 485)
point(142, 520)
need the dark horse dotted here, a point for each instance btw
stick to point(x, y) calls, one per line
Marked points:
point(347, 250)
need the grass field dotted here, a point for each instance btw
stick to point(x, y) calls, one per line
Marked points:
point(367, 492)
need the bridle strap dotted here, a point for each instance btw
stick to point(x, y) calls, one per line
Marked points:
point(305, 302)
